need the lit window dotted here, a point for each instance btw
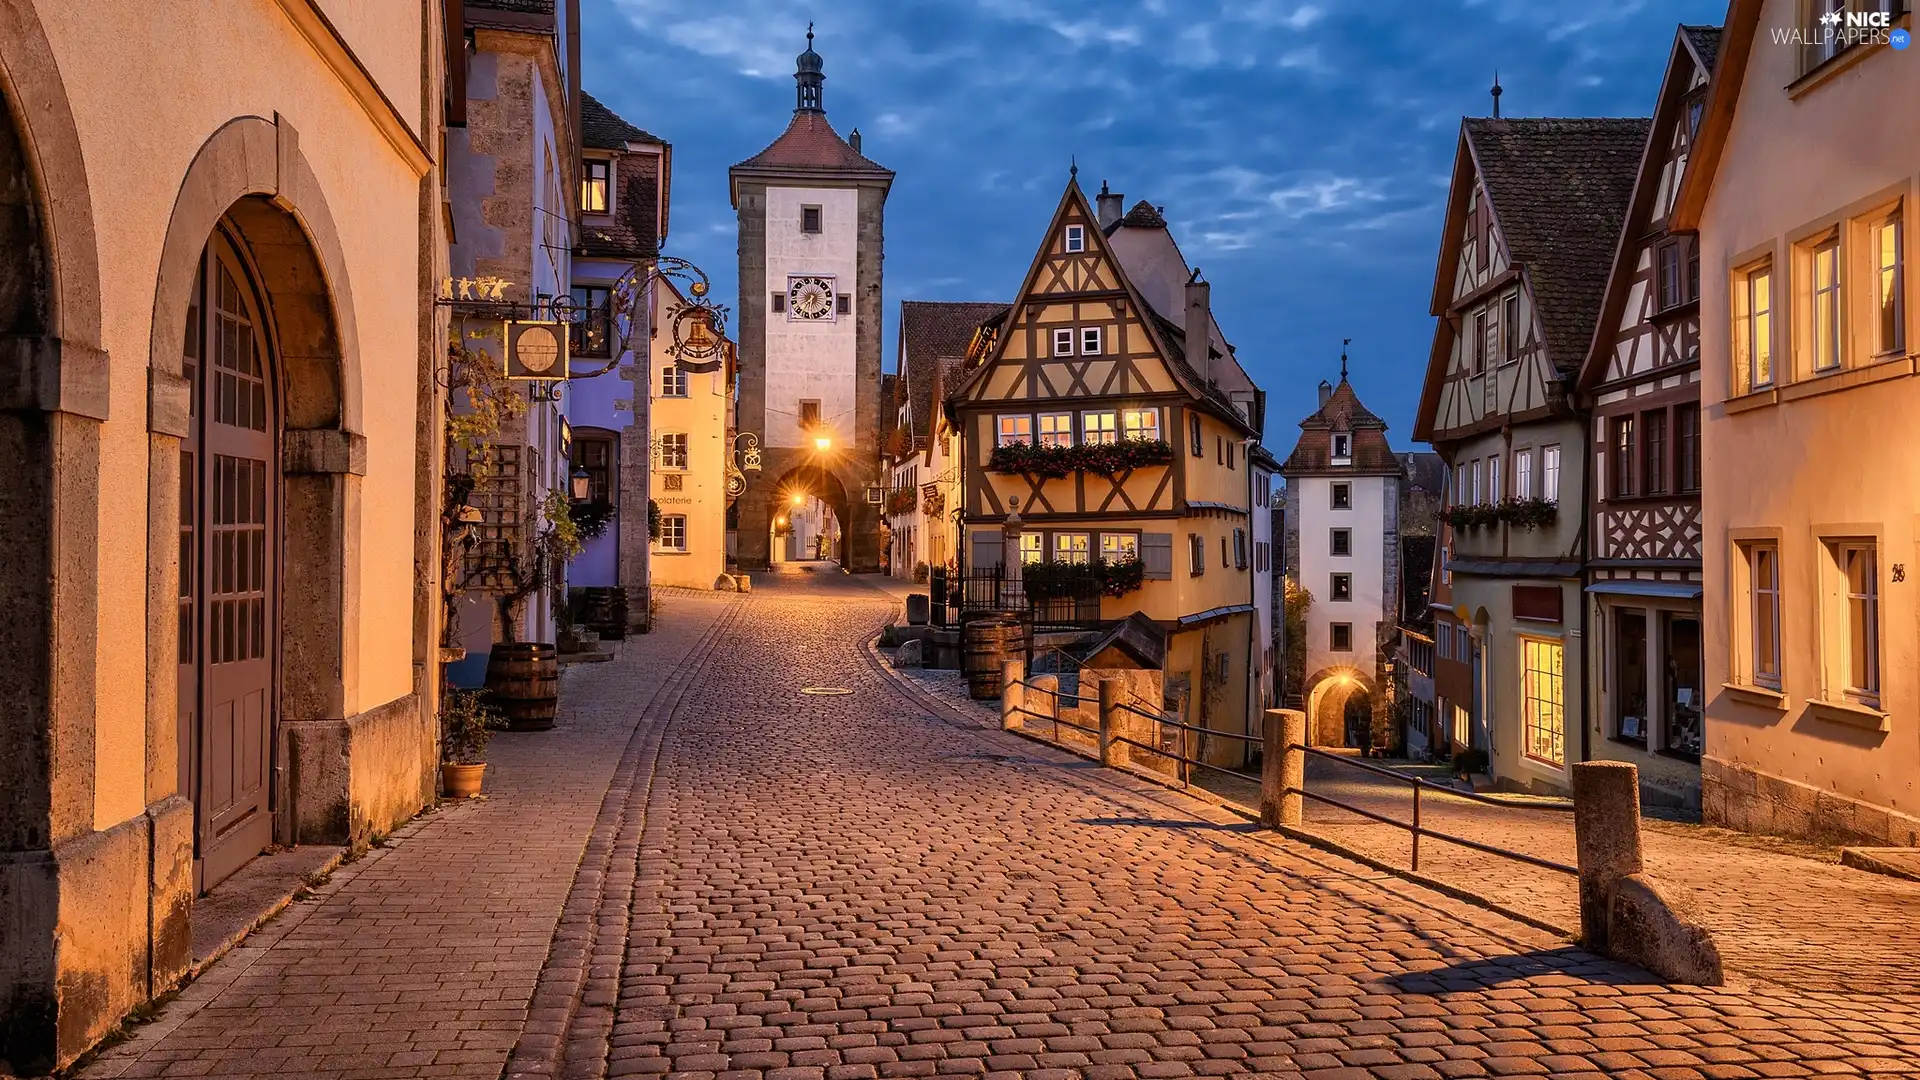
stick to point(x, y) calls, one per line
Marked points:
point(1070, 547)
point(673, 381)
point(1340, 587)
point(1340, 542)
point(1076, 238)
point(1119, 547)
point(1141, 423)
point(673, 450)
point(1541, 685)
point(1063, 341)
point(1826, 305)
point(1342, 495)
point(1099, 427)
point(1550, 473)
point(1340, 637)
point(1090, 341)
point(1030, 550)
point(596, 187)
point(1889, 281)
point(1753, 329)
point(1056, 429)
point(673, 532)
point(1759, 565)
point(592, 315)
point(1015, 429)
point(1854, 649)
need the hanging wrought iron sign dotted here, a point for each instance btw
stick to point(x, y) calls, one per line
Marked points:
point(536, 351)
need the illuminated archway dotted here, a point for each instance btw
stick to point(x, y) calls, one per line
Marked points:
point(1333, 694)
point(809, 482)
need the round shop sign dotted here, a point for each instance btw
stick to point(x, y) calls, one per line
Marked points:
point(538, 349)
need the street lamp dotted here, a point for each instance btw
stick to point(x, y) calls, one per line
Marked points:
point(582, 485)
point(799, 499)
point(823, 444)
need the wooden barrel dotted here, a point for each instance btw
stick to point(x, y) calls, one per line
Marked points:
point(524, 679)
point(987, 642)
point(603, 610)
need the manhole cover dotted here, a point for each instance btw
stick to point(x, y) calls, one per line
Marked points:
point(825, 691)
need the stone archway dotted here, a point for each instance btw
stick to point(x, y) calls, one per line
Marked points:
point(818, 482)
point(859, 550)
point(251, 180)
point(1331, 693)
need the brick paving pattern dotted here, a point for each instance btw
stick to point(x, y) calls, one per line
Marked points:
point(791, 887)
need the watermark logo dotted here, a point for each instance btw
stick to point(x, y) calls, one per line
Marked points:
point(1839, 30)
point(1900, 39)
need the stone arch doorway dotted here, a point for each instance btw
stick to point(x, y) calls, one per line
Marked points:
point(811, 481)
point(231, 493)
point(1340, 708)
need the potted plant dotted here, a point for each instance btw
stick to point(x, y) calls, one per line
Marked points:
point(468, 721)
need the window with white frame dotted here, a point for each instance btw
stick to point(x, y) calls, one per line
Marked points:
point(1542, 700)
point(596, 186)
point(1140, 423)
point(1014, 429)
point(1342, 448)
point(1476, 474)
point(1460, 484)
point(1031, 548)
point(1757, 614)
point(1823, 263)
point(1090, 341)
point(1889, 284)
point(1753, 328)
point(1076, 238)
point(1523, 473)
point(1493, 479)
point(673, 381)
point(673, 450)
point(1550, 473)
point(1099, 426)
point(673, 532)
point(1063, 341)
point(1056, 429)
point(1852, 622)
point(1119, 547)
point(1070, 547)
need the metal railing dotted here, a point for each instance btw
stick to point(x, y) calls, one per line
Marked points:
point(952, 597)
point(1186, 760)
point(1414, 827)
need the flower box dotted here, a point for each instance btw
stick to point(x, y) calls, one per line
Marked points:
point(1058, 462)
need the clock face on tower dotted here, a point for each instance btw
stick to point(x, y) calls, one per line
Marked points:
point(810, 298)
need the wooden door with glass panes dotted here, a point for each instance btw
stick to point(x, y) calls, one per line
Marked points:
point(229, 553)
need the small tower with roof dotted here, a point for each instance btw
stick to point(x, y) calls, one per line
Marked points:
point(811, 211)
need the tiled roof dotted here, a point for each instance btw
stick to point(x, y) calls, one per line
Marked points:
point(933, 337)
point(811, 145)
point(1344, 413)
point(602, 128)
point(1559, 190)
point(1706, 42)
point(1425, 471)
point(529, 7)
point(1175, 337)
point(1144, 215)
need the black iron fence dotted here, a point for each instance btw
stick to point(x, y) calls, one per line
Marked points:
point(955, 597)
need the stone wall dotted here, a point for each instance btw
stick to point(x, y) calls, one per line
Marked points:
point(1735, 796)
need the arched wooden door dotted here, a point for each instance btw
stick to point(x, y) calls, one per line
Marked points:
point(229, 554)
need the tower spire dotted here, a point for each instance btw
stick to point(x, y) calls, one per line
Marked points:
point(1344, 342)
point(1496, 93)
point(808, 77)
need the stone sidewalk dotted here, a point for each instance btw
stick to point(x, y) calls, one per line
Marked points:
point(420, 959)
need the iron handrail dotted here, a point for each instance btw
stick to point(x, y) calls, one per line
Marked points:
point(1162, 718)
point(1186, 760)
point(1415, 828)
point(1421, 781)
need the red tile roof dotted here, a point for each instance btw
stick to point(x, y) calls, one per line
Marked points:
point(1372, 456)
point(811, 145)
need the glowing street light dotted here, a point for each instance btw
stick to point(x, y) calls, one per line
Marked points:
point(823, 444)
point(799, 499)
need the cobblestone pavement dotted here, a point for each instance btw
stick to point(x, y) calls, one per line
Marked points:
point(419, 959)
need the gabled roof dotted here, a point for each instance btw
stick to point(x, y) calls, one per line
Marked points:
point(1731, 52)
point(1144, 215)
point(810, 145)
point(1559, 190)
point(1668, 110)
point(933, 336)
point(1343, 413)
point(603, 129)
point(1706, 43)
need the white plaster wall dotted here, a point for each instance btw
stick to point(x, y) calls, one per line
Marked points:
point(810, 360)
point(1367, 519)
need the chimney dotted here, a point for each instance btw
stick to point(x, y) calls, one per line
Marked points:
point(1199, 325)
point(1326, 392)
point(853, 139)
point(1108, 204)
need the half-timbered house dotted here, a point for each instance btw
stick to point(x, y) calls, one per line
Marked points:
point(1532, 215)
point(1102, 424)
point(1641, 385)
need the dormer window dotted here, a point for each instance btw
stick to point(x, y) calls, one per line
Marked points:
point(1342, 448)
point(1076, 238)
point(596, 186)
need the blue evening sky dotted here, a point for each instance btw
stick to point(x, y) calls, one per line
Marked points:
point(1301, 148)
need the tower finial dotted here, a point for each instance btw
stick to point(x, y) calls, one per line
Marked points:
point(1496, 93)
point(808, 77)
point(1073, 168)
point(1344, 342)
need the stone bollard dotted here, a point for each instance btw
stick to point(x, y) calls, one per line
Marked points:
point(919, 609)
point(1283, 769)
point(1113, 753)
point(1606, 837)
point(1012, 694)
point(1042, 695)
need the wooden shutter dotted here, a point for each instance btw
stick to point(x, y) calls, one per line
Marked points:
point(1156, 553)
point(987, 545)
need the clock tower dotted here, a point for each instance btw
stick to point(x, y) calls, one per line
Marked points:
point(811, 209)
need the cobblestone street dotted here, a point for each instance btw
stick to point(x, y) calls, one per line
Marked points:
point(802, 886)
